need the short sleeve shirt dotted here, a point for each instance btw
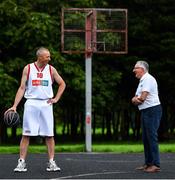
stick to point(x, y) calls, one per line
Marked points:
point(149, 84)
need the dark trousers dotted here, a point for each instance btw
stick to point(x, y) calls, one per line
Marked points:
point(150, 121)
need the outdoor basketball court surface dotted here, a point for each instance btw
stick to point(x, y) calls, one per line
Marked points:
point(86, 166)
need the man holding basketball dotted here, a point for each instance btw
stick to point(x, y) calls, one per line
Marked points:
point(147, 100)
point(36, 87)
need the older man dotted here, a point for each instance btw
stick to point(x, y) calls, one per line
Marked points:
point(147, 100)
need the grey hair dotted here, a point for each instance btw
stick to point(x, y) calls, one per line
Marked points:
point(40, 51)
point(143, 64)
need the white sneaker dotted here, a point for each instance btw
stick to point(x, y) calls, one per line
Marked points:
point(21, 167)
point(52, 166)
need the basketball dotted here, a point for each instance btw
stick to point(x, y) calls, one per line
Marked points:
point(11, 118)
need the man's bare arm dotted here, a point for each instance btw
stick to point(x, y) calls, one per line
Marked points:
point(136, 100)
point(61, 86)
point(21, 90)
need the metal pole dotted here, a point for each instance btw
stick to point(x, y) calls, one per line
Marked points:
point(88, 64)
point(88, 103)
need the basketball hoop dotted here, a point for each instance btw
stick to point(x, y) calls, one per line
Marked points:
point(88, 31)
point(89, 51)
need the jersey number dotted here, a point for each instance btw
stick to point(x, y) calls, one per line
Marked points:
point(39, 75)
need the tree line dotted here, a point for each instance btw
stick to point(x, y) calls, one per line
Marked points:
point(27, 25)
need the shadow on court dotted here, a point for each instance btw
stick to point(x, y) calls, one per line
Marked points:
point(86, 166)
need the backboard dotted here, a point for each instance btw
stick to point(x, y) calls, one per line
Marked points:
point(97, 30)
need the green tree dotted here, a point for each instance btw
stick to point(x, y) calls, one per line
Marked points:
point(26, 25)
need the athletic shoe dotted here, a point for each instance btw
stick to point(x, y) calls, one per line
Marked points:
point(21, 167)
point(52, 166)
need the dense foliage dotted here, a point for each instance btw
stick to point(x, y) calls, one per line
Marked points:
point(27, 25)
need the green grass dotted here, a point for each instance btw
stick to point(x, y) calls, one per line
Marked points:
point(110, 147)
point(130, 148)
point(115, 147)
point(42, 148)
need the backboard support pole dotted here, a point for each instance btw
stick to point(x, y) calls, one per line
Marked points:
point(88, 118)
point(88, 69)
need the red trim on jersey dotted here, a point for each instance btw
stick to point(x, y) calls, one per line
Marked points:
point(43, 68)
point(39, 69)
point(50, 69)
point(28, 72)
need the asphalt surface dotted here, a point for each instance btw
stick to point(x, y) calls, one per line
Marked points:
point(86, 166)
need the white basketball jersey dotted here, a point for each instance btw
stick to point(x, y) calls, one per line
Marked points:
point(39, 84)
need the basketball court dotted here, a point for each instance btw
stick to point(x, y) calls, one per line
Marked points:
point(86, 166)
point(88, 31)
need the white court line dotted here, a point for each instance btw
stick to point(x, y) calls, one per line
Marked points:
point(90, 174)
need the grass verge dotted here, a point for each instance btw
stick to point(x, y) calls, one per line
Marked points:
point(114, 148)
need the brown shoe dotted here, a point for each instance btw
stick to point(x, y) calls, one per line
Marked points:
point(143, 167)
point(152, 169)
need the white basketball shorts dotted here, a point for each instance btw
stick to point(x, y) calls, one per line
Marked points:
point(38, 118)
